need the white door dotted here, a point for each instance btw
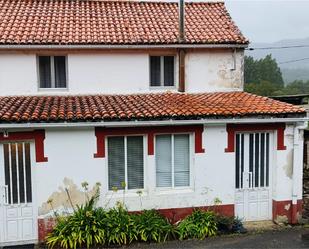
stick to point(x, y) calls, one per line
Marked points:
point(18, 223)
point(253, 176)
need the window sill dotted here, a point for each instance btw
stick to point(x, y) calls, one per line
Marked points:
point(163, 88)
point(53, 89)
point(168, 191)
point(128, 193)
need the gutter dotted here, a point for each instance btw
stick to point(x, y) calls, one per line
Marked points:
point(150, 123)
point(91, 47)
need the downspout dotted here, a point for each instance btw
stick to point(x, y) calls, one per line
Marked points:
point(297, 169)
point(181, 51)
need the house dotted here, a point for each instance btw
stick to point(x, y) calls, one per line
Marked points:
point(149, 94)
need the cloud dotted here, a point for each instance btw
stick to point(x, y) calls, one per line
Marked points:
point(269, 21)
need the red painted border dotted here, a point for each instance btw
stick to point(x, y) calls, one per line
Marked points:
point(150, 131)
point(233, 128)
point(288, 210)
point(38, 136)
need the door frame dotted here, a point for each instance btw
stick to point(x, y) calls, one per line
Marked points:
point(34, 197)
point(272, 159)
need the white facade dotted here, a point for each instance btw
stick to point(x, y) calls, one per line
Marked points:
point(71, 162)
point(122, 72)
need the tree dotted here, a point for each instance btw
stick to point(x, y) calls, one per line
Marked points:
point(265, 69)
point(263, 76)
point(295, 87)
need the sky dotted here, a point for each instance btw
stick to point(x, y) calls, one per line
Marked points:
point(271, 20)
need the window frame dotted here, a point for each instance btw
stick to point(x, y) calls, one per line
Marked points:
point(52, 68)
point(191, 163)
point(130, 191)
point(162, 71)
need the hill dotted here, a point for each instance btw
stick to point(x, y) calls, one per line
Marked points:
point(298, 70)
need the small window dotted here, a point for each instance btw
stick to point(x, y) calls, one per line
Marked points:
point(162, 71)
point(173, 160)
point(52, 72)
point(125, 162)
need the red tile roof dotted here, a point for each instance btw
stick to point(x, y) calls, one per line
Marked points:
point(140, 107)
point(113, 22)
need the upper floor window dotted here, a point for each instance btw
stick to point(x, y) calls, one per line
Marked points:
point(52, 72)
point(162, 71)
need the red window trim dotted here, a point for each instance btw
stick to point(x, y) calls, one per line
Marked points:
point(233, 128)
point(38, 136)
point(101, 133)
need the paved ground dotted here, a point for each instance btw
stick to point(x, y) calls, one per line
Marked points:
point(279, 238)
point(287, 238)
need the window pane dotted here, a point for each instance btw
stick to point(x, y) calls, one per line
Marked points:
point(135, 161)
point(262, 160)
point(257, 152)
point(163, 161)
point(168, 70)
point(242, 163)
point(237, 158)
point(116, 167)
point(60, 72)
point(251, 158)
point(28, 173)
point(44, 71)
point(181, 160)
point(21, 172)
point(155, 71)
point(7, 170)
point(267, 160)
point(14, 172)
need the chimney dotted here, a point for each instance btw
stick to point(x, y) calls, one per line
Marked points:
point(181, 5)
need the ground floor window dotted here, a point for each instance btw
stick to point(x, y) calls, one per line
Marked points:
point(172, 154)
point(125, 162)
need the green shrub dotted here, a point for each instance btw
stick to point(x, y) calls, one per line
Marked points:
point(229, 224)
point(151, 226)
point(199, 225)
point(119, 226)
point(85, 227)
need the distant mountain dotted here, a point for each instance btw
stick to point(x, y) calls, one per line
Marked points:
point(298, 70)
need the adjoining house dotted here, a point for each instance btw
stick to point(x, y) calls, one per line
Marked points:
point(149, 94)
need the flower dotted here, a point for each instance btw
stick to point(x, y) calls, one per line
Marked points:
point(85, 185)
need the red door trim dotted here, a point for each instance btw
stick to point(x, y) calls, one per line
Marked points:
point(101, 133)
point(38, 136)
point(233, 128)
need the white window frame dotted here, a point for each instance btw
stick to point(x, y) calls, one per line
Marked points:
point(191, 163)
point(52, 71)
point(131, 192)
point(162, 72)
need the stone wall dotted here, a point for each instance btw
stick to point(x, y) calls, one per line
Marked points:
point(306, 194)
point(306, 177)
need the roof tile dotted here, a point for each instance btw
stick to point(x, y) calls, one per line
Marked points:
point(113, 22)
point(18, 109)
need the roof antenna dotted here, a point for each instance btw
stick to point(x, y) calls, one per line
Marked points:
point(181, 20)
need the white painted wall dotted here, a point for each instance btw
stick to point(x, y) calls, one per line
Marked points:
point(70, 155)
point(18, 74)
point(113, 73)
point(214, 70)
point(283, 170)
